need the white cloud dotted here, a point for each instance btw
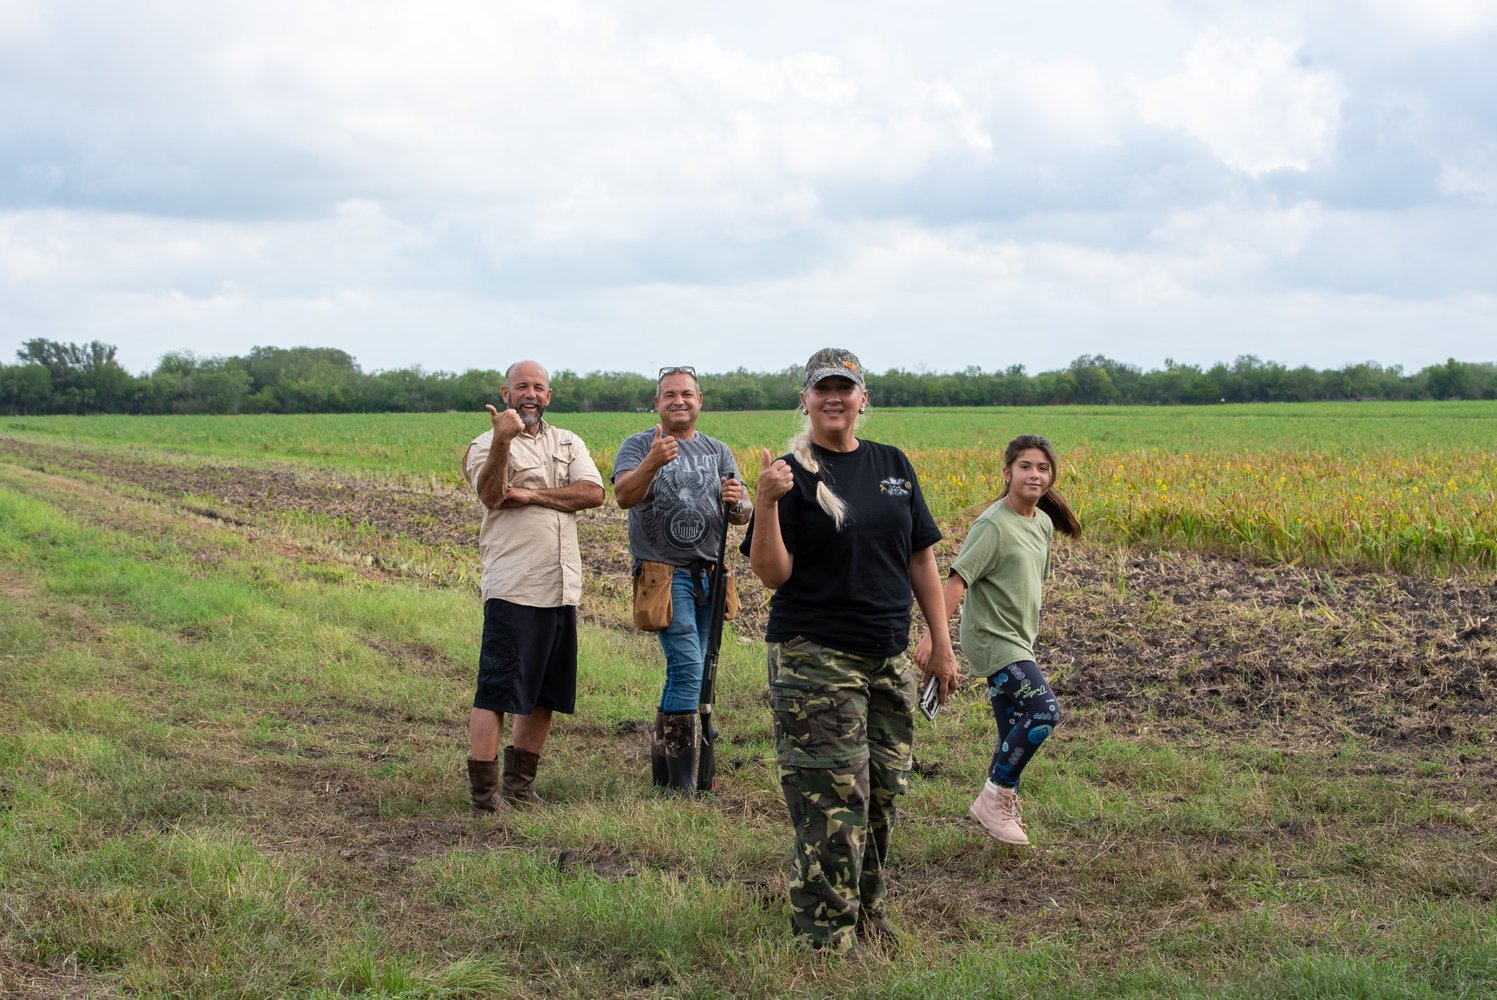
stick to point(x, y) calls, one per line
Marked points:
point(20, 21)
point(1063, 102)
point(1248, 101)
point(417, 183)
point(1232, 243)
point(1435, 20)
point(1474, 175)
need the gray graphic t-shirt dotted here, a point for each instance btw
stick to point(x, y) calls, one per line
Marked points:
point(681, 517)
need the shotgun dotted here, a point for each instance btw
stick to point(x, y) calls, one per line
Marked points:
point(706, 758)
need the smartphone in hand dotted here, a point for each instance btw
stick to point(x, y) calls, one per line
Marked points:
point(930, 697)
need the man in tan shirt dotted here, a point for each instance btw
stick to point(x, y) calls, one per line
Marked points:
point(532, 478)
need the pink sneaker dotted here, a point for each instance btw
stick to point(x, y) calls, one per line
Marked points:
point(997, 809)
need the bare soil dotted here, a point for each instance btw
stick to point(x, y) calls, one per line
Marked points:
point(1162, 639)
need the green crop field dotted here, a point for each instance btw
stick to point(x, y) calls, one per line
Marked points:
point(1395, 485)
point(424, 443)
point(237, 654)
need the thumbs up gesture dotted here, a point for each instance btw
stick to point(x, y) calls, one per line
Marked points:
point(775, 478)
point(507, 423)
point(663, 449)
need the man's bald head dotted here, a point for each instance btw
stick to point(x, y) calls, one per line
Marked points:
point(531, 368)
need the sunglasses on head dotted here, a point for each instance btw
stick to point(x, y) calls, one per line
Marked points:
point(677, 370)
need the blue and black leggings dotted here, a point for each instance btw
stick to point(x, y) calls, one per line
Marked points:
point(1025, 710)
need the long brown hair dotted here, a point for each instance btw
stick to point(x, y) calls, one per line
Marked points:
point(1051, 502)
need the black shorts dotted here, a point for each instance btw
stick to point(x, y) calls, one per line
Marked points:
point(528, 658)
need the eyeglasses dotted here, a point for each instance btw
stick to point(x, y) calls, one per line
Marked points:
point(676, 370)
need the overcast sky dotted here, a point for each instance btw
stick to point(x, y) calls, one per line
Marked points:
point(629, 184)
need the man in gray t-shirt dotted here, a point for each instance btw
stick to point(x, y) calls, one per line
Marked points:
point(675, 482)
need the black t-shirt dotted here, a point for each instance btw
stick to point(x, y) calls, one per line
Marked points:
point(850, 589)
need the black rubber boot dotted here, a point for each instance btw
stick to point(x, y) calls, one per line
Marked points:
point(680, 750)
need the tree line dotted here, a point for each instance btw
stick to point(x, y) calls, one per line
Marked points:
point(53, 377)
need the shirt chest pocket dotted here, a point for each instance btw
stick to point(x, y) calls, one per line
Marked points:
point(540, 472)
point(529, 472)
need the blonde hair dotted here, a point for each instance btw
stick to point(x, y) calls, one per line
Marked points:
point(826, 497)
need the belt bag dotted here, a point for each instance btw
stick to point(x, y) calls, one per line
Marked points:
point(730, 605)
point(652, 596)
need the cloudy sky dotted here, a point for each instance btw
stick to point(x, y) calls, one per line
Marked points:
point(629, 184)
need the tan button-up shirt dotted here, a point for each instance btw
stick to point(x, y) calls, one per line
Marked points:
point(530, 553)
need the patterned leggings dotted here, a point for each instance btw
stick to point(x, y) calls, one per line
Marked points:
point(1024, 708)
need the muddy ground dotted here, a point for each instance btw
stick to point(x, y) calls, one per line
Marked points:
point(1170, 640)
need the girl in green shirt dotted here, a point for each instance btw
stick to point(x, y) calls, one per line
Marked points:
point(1002, 564)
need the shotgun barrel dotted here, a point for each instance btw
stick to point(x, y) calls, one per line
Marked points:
point(706, 754)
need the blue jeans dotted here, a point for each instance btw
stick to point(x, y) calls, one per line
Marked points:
point(685, 644)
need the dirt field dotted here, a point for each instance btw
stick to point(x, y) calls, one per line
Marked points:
point(1172, 640)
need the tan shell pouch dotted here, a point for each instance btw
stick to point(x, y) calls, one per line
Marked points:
point(730, 603)
point(652, 596)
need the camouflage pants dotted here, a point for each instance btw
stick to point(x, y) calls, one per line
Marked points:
point(843, 726)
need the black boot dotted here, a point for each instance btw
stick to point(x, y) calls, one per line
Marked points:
point(659, 776)
point(680, 749)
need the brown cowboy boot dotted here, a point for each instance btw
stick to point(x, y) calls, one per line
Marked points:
point(680, 749)
point(483, 783)
point(519, 772)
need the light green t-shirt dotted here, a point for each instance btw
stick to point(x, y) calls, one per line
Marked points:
point(1004, 561)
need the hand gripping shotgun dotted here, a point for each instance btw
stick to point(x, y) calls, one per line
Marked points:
point(706, 755)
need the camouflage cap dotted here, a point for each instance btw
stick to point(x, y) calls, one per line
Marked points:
point(830, 361)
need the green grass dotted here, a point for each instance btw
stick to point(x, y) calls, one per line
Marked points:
point(231, 765)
